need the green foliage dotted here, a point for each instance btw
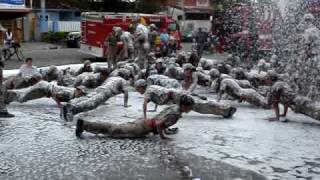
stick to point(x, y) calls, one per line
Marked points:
point(53, 37)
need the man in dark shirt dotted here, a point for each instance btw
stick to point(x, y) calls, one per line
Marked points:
point(201, 38)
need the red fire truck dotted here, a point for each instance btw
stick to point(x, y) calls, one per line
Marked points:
point(95, 27)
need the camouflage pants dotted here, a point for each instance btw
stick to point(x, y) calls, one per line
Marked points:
point(39, 90)
point(211, 107)
point(134, 129)
point(112, 57)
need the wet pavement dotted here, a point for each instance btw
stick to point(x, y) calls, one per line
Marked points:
point(36, 144)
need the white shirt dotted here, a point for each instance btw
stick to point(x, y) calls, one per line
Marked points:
point(28, 72)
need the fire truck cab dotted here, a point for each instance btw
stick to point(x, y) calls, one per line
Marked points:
point(95, 27)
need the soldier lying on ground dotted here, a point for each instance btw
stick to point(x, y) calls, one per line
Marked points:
point(139, 128)
point(282, 93)
point(28, 75)
point(46, 89)
point(111, 87)
point(174, 72)
point(91, 80)
point(233, 89)
point(163, 81)
point(162, 96)
point(217, 77)
point(85, 68)
point(52, 74)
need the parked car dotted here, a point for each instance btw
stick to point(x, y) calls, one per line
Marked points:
point(73, 40)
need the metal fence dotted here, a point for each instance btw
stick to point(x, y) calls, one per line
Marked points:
point(64, 26)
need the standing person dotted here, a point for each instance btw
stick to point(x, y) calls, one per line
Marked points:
point(152, 36)
point(8, 39)
point(164, 37)
point(201, 38)
point(3, 108)
point(140, 128)
point(142, 44)
point(111, 44)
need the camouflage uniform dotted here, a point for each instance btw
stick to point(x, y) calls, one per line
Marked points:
point(43, 89)
point(232, 88)
point(111, 87)
point(163, 96)
point(138, 128)
point(163, 81)
point(89, 80)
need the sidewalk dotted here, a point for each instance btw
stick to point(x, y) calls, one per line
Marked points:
point(46, 54)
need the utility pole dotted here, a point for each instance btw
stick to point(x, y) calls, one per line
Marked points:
point(43, 18)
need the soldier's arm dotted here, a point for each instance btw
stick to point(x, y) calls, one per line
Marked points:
point(145, 105)
point(55, 98)
point(126, 94)
point(194, 83)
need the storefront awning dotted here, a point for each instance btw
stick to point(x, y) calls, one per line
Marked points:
point(13, 13)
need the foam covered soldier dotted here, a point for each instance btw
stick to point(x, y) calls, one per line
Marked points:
point(28, 75)
point(203, 77)
point(128, 47)
point(233, 89)
point(174, 71)
point(111, 44)
point(91, 80)
point(194, 59)
point(46, 89)
point(181, 58)
point(140, 128)
point(217, 77)
point(263, 66)
point(280, 93)
point(3, 107)
point(159, 67)
point(52, 74)
point(85, 68)
point(233, 60)
point(163, 81)
point(111, 87)
point(163, 96)
point(306, 106)
point(206, 64)
point(190, 78)
point(238, 73)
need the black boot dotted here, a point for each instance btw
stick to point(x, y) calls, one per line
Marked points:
point(79, 128)
point(6, 114)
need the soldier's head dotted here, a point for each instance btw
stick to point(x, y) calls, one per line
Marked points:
point(188, 69)
point(87, 66)
point(159, 63)
point(29, 61)
point(104, 74)
point(214, 74)
point(308, 18)
point(272, 77)
point(140, 86)
point(81, 91)
point(186, 103)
